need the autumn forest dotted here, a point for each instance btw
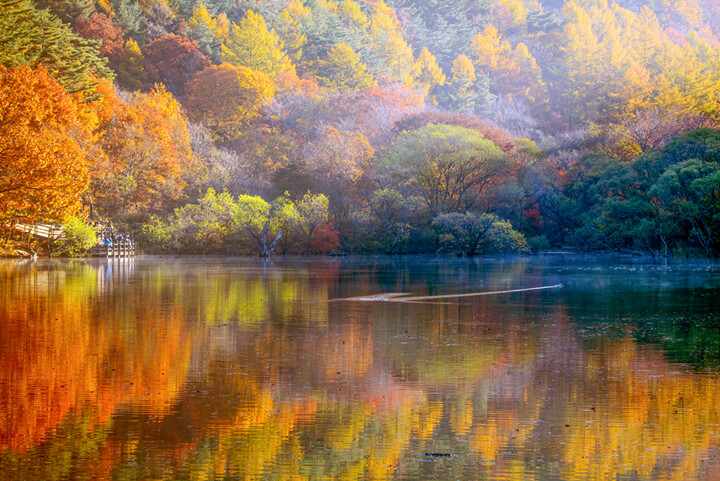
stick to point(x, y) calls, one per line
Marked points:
point(365, 126)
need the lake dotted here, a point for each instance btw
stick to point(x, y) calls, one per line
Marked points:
point(198, 368)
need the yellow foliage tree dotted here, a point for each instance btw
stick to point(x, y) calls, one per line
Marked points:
point(251, 44)
point(393, 53)
point(352, 13)
point(513, 72)
point(426, 71)
point(509, 13)
point(342, 70)
point(614, 62)
point(131, 70)
point(222, 25)
point(201, 18)
point(290, 29)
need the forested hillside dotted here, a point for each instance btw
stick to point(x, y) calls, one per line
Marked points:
point(464, 126)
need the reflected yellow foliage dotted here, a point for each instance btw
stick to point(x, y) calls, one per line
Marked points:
point(253, 297)
point(461, 416)
point(656, 416)
point(426, 418)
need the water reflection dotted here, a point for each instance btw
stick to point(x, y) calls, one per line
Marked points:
point(232, 369)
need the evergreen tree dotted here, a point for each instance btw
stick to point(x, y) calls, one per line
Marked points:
point(466, 91)
point(326, 26)
point(203, 29)
point(541, 20)
point(186, 8)
point(31, 37)
point(513, 72)
point(393, 57)
point(290, 30)
point(445, 28)
point(67, 10)
point(17, 24)
point(130, 18)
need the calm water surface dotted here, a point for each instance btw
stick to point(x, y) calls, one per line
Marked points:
point(227, 368)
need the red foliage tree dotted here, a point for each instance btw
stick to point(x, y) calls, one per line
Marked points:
point(101, 27)
point(173, 60)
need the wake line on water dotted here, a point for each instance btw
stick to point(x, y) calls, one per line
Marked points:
point(400, 296)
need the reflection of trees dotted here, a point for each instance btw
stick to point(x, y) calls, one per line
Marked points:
point(75, 447)
point(650, 416)
point(67, 358)
point(244, 296)
point(251, 375)
point(46, 347)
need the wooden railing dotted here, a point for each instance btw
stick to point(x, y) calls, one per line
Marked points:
point(119, 248)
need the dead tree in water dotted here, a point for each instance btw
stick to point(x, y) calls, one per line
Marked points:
point(261, 240)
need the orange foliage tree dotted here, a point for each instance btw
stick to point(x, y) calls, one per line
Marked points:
point(340, 155)
point(43, 165)
point(150, 158)
point(226, 98)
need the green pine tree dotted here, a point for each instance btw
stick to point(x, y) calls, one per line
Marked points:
point(32, 37)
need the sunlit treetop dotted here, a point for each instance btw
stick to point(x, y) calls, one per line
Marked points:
point(426, 72)
point(227, 98)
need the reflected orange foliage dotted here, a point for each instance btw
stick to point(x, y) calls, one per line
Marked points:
point(57, 359)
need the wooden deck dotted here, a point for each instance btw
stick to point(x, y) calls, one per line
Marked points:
point(121, 247)
point(44, 231)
